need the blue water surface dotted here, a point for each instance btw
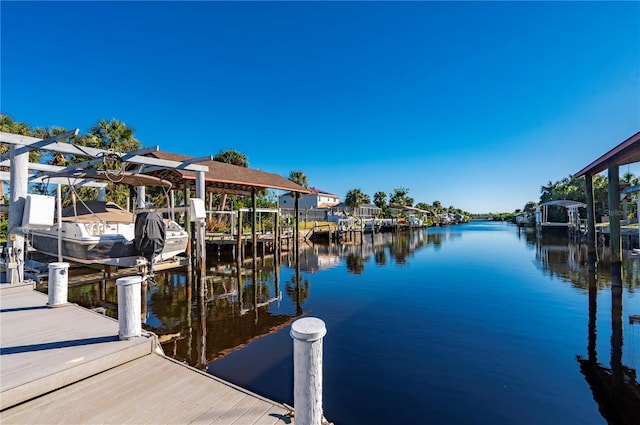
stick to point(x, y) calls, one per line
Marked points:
point(481, 323)
point(462, 325)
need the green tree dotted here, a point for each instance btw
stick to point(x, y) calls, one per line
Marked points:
point(9, 125)
point(424, 206)
point(300, 178)
point(380, 199)
point(234, 157)
point(114, 135)
point(109, 135)
point(355, 198)
point(400, 197)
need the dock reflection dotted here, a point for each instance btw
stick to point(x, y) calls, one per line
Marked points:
point(615, 388)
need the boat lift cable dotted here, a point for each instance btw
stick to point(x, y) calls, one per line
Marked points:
point(85, 205)
point(114, 168)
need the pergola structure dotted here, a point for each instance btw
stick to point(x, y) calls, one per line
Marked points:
point(627, 152)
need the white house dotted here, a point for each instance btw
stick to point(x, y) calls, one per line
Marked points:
point(316, 199)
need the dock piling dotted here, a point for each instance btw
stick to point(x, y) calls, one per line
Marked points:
point(307, 334)
point(58, 284)
point(129, 307)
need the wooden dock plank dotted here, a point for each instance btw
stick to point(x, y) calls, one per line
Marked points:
point(226, 402)
point(46, 348)
point(236, 412)
point(162, 386)
point(150, 413)
point(159, 394)
point(252, 414)
point(67, 365)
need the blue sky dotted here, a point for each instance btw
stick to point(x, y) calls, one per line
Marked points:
point(473, 104)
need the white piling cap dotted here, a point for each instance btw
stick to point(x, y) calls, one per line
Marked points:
point(308, 329)
point(128, 280)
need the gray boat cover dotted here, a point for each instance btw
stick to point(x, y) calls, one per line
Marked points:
point(150, 234)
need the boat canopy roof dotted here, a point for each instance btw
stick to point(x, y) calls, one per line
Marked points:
point(567, 203)
point(91, 211)
point(126, 178)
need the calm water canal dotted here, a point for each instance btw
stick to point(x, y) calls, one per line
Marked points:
point(470, 324)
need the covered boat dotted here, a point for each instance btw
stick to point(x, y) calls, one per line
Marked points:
point(97, 232)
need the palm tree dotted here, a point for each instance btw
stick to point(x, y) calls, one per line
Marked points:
point(234, 157)
point(629, 178)
point(110, 135)
point(400, 196)
point(300, 178)
point(58, 158)
point(354, 199)
point(9, 125)
point(380, 199)
point(115, 135)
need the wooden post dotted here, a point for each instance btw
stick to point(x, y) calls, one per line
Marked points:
point(592, 252)
point(172, 204)
point(615, 240)
point(276, 235)
point(187, 222)
point(307, 334)
point(141, 197)
point(58, 284)
point(129, 315)
point(144, 306)
point(201, 248)
point(19, 175)
point(239, 242)
point(254, 232)
point(296, 230)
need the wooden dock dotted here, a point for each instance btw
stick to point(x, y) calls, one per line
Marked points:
point(67, 365)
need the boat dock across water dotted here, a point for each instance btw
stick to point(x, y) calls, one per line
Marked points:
point(67, 364)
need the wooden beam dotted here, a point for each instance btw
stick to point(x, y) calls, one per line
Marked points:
point(30, 143)
point(631, 189)
point(52, 145)
point(100, 159)
point(199, 159)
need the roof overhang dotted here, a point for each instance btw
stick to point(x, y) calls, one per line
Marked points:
point(626, 152)
point(225, 178)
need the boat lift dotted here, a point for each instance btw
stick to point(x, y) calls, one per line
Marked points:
point(17, 159)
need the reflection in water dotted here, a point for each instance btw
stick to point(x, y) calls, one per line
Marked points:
point(561, 257)
point(615, 389)
point(246, 301)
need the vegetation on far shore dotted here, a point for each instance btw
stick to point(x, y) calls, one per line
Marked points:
point(119, 137)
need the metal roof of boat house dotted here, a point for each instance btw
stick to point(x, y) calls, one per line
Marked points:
point(223, 177)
